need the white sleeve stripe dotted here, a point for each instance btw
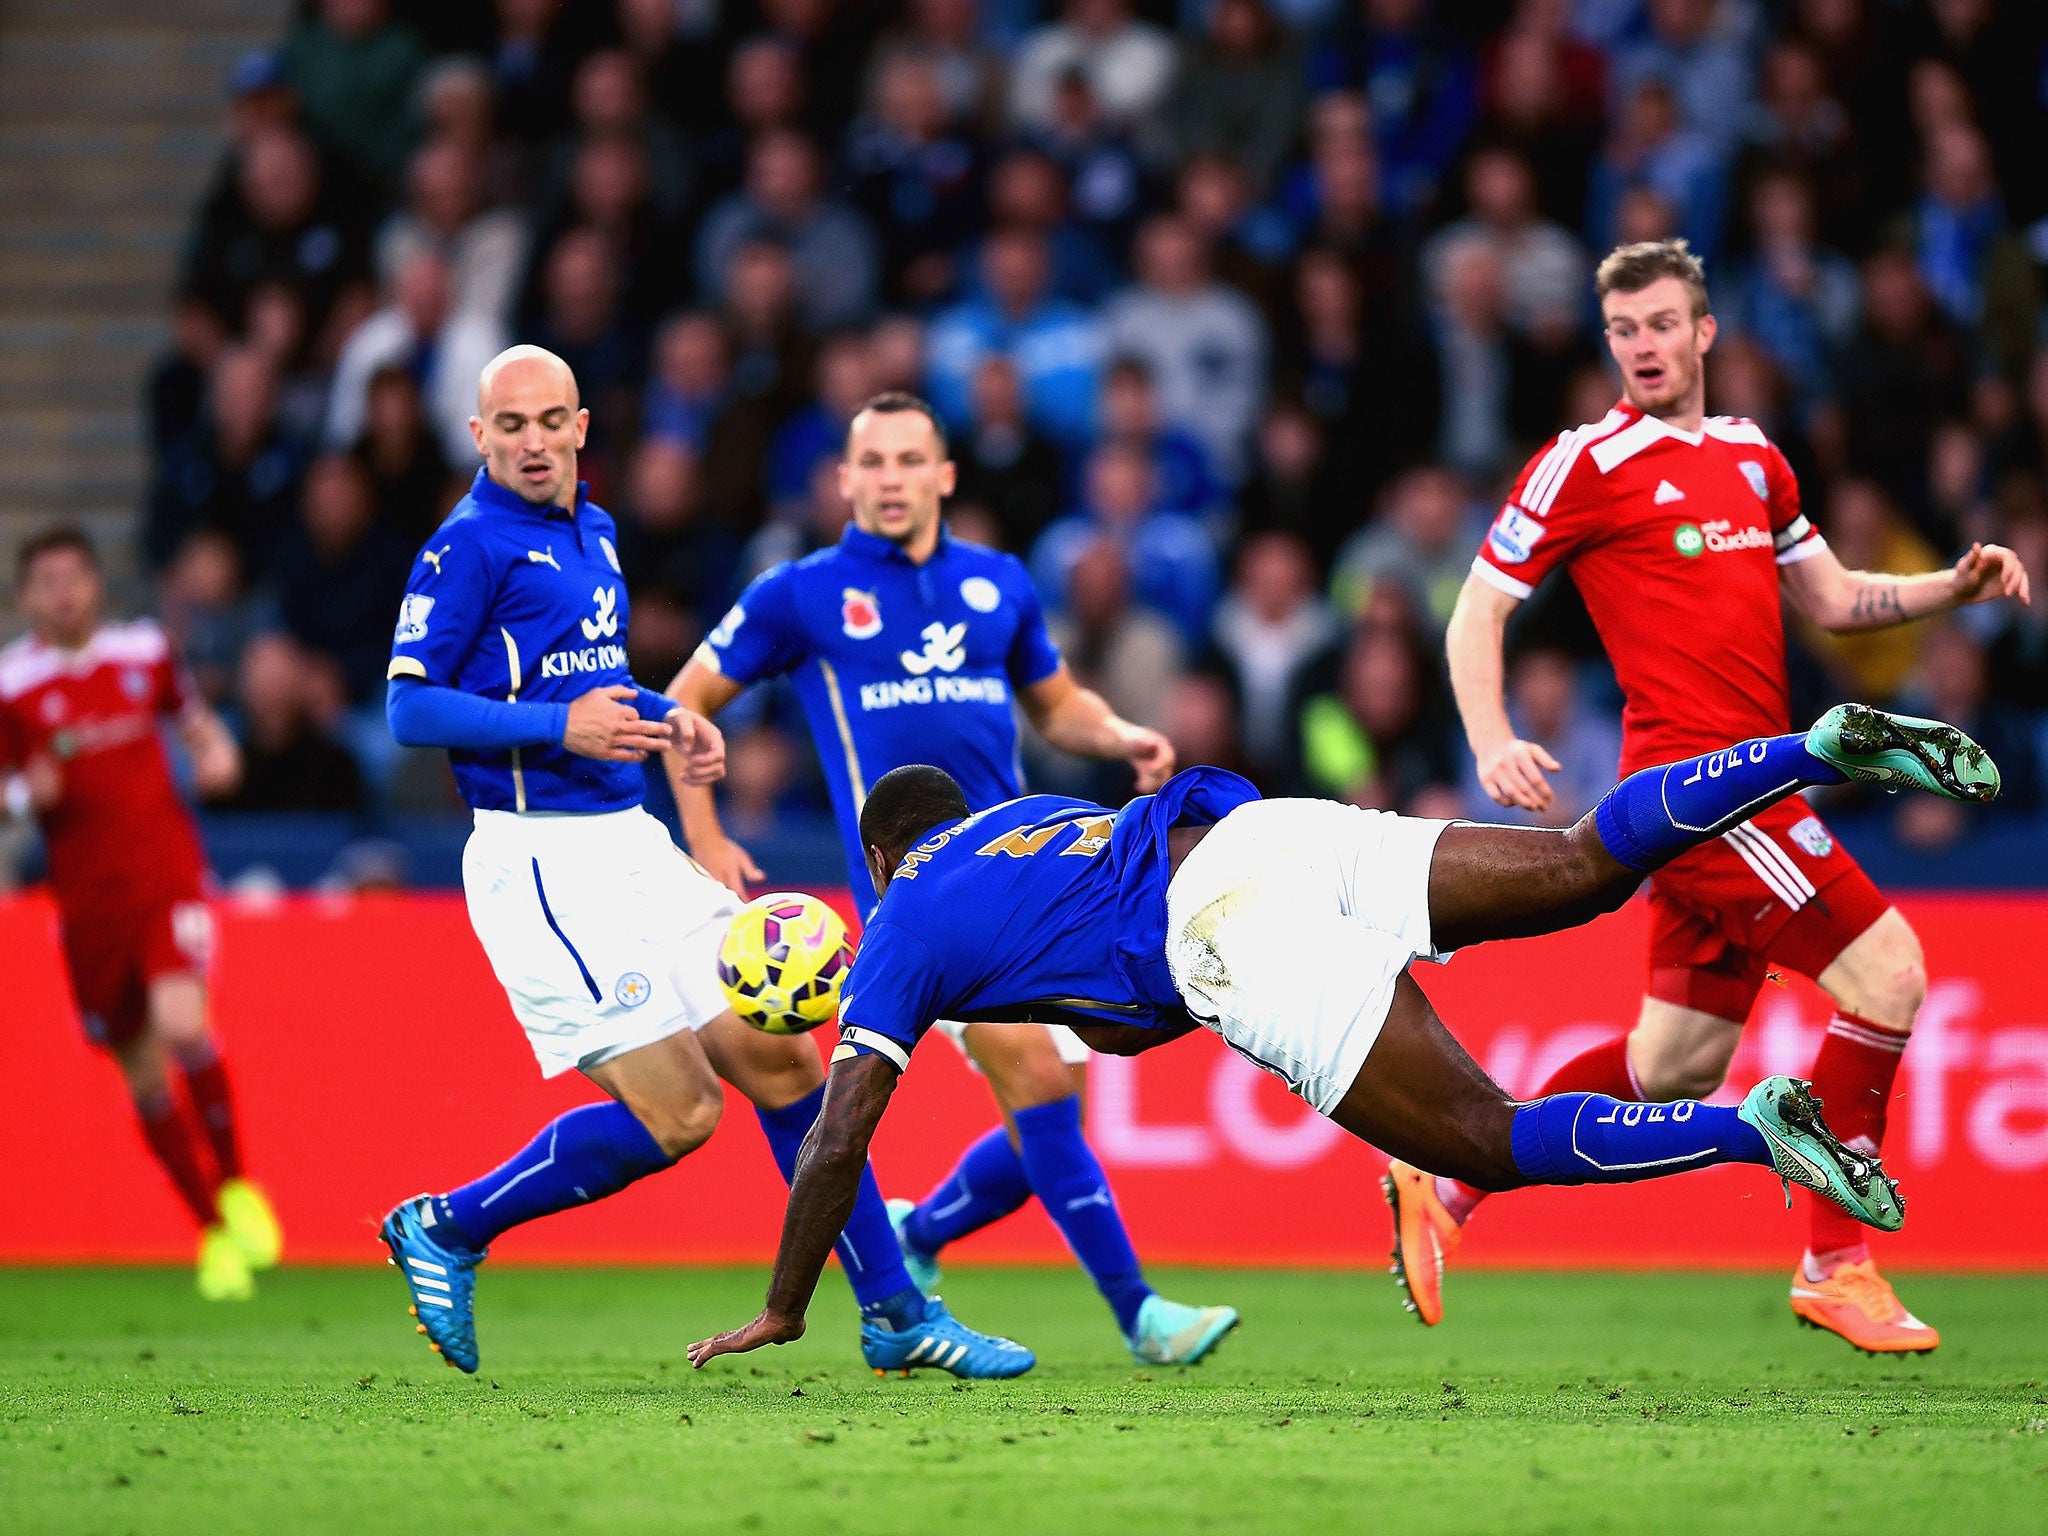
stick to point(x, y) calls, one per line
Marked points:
point(1493, 576)
point(1805, 549)
point(881, 1045)
point(1793, 532)
point(1550, 474)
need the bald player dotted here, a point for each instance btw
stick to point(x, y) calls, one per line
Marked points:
point(511, 654)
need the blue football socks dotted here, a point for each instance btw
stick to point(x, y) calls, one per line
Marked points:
point(867, 1248)
point(1654, 815)
point(592, 1151)
point(1588, 1138)
point(1070, 1184)
point(987, 1184)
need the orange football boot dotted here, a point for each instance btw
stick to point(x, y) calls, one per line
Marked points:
point(1858, 1303)
point(1424, 1232)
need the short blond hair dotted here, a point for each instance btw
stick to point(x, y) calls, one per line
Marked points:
point(1632, 268)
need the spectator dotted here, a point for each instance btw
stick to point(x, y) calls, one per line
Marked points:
point(1798, 127)
point(817, 431)
point(1055, 345)
point(2018, 645)
point(443, 349)
point(290, 758)
point(1127, 65)
point(1541, 97)
point(1959, 509)
point(206, 611)
point(1127, 654)
point(279, 220)
point(772, 362)
point(761, 765)
point(918, 180)
point(354, 70)
point(234, 472)
point(1200, 718)
point(1238, 92)
point(765, 90)
point(1421, 87)
point(970, 75)
point(1181, 470)
point(1247, 245)
point(1171, 559)
point(1955, 685)
point(687, 386)
point(1867, 534)
point(411, 480)
point(1696, 49)
point(798, 529)
point(583, 323)
point(896, 352)
point(608, 196)
point(1496, 392)
point(340, 575)
point(485, 249)
point(177, 384)
point(1547, 706)
point(1004, 464)
point(831, 245)
point(1106, 169)
point(1375, 738)
point(1651, 147)
point(1545, 267)
point(1268, 627)
point(275, 325)
point(1908, 367)
point(1291, 488)
point(1028, 190)
point(1976, 270)
point(1797, 298)
point(1204, 343)
point(530, 66)
point(1422, 541)
point(667, 544)
point(608, 100)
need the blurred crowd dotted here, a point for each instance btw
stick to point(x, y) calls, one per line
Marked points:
point(1242, 315)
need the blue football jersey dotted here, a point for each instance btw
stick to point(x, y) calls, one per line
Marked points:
point(895, 663)
point(523, 603)
point(1044, 909)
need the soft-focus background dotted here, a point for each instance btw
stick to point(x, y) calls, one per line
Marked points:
point(1242, 314)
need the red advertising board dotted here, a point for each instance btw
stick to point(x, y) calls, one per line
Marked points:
point(375, 1056)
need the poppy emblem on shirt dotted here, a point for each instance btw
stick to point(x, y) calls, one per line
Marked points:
point(860, 616)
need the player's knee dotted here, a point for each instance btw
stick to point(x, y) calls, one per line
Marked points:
point(1899, 986)
point(680, 1129)
point(1679, 1069)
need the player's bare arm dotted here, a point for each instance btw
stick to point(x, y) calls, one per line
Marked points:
point(216, 759)
point(820, 1200)
point(1510, 770)
point(1079, 720)
point(1836, 598)
point(603, 724)
point(701, 688)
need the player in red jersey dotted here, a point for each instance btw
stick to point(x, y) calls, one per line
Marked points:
point(80, 704)
point(1681, 532)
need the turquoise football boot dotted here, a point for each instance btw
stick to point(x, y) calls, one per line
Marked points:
point(1873, 746)
point(442, 1282)
point(942, 1342)
point(1171, 1333)
point(923, 1267)
point(1805, 1152)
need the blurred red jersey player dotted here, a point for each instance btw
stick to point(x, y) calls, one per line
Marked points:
point(1683, 532)
point(80, 706)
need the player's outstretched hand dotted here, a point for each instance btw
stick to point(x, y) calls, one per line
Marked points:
point(1987, 572)
point(604, 724)
point(1152, 756)
point(768, 1328)
point(700, 745)
point(726, 862)
point(1513, 775)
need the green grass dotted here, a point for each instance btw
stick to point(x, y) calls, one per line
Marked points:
point(1572, 1403)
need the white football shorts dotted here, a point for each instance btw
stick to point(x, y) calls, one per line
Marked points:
point(1064, 1040)
point(603, 933)
point(1287, 927)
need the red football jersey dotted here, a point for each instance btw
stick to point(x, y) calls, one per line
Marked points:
point(119, 835)
point(1674, 541)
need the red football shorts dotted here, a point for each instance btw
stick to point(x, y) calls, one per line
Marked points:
point(1776, 890)
point(114, 954)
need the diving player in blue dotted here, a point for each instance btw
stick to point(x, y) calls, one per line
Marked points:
point(1287, 927)
point(511, 653)
point(908, 647)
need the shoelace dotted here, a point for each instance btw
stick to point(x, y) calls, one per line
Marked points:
point(1868, 1291)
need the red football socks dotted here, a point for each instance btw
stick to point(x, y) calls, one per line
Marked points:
point(214, 1104)
point(172, 1137)
point(1852, 1077)
point(1603, 1069)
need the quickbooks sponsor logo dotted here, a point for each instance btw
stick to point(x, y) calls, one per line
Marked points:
point(1719, 537)
point(1688, 540)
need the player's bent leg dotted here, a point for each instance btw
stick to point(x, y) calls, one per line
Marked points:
point(221, 1269)
point(1680, 1053)
point(177, 1016)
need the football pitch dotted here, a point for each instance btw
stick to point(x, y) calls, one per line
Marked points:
point(1570, 1403)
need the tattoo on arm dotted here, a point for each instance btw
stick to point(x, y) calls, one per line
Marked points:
point(828, 1178)
point(1877, 604)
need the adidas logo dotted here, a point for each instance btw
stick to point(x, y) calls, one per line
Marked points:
point(1668, 493)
